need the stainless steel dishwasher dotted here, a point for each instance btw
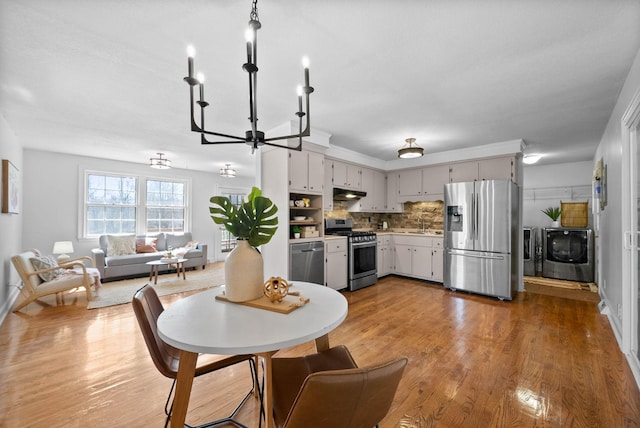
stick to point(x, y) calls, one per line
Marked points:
point(306, 262)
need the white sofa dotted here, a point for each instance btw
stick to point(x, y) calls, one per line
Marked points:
point(134, 264)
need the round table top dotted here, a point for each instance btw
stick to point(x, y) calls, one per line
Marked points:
point(166, 261)
point(200, 323)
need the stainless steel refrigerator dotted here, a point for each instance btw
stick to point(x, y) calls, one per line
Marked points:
point(480, 236)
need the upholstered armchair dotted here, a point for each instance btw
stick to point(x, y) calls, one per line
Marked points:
point(70, 274)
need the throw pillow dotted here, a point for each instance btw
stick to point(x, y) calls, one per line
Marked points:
point(146, 245)
point(121, 245)
point(47, 262)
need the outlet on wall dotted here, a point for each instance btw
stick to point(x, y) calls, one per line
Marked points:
point(619, 310)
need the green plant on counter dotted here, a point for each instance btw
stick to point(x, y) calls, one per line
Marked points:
point(553, 213)
point(255, 220)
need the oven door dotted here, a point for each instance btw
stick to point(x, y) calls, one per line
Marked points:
point(362, 259)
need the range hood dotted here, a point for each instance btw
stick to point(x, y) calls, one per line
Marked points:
point(347, 195)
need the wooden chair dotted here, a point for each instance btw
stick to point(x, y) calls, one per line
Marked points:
point(327, 389)
point(147, 308)
point(35, 287)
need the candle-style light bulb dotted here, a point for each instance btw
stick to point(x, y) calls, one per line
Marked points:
point(200, 77)
point(299, 92)
point(248, 36)
point(305, 64)
point(191, 52)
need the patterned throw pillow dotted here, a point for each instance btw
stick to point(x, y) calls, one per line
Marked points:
point(47, 262)
point(146, 245)
point(121, 245)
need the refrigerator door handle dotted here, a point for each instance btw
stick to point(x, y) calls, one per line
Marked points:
point(477, 256)
point(473, 216)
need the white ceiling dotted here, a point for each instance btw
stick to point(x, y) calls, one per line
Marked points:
point(104, 78)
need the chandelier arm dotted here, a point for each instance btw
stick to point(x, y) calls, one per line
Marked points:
point(254, 76)
point(194, 125)
point(296, 148)
point(203, 140)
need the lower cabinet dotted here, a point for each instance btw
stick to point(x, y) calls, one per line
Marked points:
point(385, 256)
point(419, 257)
point(335, 252)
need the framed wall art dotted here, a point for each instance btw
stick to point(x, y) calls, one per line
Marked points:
point(10, 188)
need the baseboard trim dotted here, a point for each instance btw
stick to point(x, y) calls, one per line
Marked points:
point(8, 304)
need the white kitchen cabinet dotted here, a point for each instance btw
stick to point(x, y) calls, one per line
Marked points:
point(502, 168)
point(496, 169)
point(433, 180)
point(385, 255)
point(374, 184)
point(336, 263)
point(393, 206)
point(409, 185)
point(418, 257)
point(306, 172)
point(346, 176)
point(328, 186)
point(463, 172)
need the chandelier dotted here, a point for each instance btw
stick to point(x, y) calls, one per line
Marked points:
point(160, 162)
point(409, 151)
point(227, 171)
point(253, 137)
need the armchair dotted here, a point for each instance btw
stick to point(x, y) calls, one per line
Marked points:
point(35, 287)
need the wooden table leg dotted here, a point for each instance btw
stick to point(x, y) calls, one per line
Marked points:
point(184, 275)
point(155, 274)
point(184, 381)
point(267, 399)
point(322, 343)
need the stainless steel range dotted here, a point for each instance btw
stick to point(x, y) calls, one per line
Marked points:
point(362, 252)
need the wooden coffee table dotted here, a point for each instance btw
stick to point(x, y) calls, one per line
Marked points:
point(179, 263)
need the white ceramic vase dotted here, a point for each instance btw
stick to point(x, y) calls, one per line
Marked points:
point(243, 273)
point(555, 223)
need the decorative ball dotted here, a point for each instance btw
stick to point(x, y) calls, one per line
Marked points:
point(276, 289)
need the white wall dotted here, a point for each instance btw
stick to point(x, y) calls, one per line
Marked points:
point(611, 231)
point(548, 185)
point(10, 224)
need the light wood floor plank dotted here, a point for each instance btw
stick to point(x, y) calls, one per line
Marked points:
point(538, 361)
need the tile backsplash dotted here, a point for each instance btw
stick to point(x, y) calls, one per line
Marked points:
point(416, 215)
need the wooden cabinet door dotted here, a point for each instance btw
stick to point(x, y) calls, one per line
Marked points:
point(367, 185)
point(328, 186)
point(315, 172)
point(298, 171)
point(354, 177)
point(433, 180)
point(496, 169)
point(463, 172)
point(409, 184)
point(437, 264)
point(421, 262)
point(340, 175)
point(379, 191)
point(403, 259)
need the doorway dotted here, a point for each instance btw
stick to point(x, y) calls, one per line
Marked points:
point(631, 227)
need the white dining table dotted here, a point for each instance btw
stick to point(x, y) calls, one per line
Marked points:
point(200, 324)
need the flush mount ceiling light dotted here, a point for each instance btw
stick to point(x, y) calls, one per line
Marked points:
point(253, 137)
point(531, 159)
point(227, 171)
point(160, 162)
point(410, 150)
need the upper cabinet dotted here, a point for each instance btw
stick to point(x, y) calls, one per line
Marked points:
point(409, 185)
point(463, 171)
point(346, 176)
point(433, 180)
point(328, 185)
point(374, 184)
point(485, 169)
point(306, 172)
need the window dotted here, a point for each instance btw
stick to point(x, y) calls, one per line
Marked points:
point(227, 240)
point(165, 206)
point(111, 204)
point(124, 204)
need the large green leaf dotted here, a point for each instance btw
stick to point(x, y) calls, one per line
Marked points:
point(255, 221)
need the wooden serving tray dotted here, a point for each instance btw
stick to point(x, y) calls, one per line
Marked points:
point(288, 304)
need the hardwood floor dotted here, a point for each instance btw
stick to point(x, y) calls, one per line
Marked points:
point(540, 360)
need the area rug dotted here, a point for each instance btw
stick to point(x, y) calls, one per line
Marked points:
point(121, 292)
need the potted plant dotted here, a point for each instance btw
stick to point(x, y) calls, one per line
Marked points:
point(554, 214)
point(296, 231)
point(253, 224)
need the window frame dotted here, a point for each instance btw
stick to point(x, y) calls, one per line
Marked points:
point(140, 200)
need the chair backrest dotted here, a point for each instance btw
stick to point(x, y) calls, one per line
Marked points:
point(351, 398)
point(24, 267)
point(148, 307)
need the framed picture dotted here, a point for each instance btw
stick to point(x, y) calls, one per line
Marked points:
point(10, 188)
